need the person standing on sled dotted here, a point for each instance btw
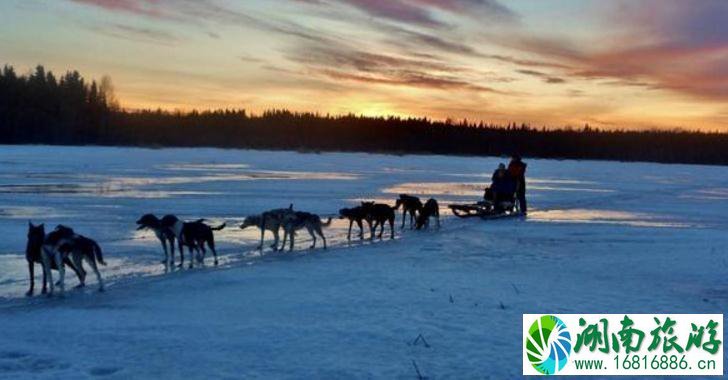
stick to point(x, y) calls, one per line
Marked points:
point(517, 171)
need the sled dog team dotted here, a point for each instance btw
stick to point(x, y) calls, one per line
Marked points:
point(63, 247)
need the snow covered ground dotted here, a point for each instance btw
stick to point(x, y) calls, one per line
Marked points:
point(602, 237)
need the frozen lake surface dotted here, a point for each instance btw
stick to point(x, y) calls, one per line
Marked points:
point(601, 237)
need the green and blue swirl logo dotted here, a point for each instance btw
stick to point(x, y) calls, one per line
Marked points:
point(548, 345)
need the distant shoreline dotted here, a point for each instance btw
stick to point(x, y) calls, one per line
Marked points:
point(388, 153)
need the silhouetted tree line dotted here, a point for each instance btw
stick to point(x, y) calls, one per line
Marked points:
point(38, 108)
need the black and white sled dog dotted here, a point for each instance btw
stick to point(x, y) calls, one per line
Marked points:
point(297, 220)
point(355, 215)
point(165, 235)
point(271, 220)
point(410, 204)
point(430, 210)
point(33, 252)
point(63, 243)
point(193, 235)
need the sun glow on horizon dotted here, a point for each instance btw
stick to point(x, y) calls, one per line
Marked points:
point(610, 65)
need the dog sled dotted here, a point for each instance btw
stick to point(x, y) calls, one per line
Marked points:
point(486, 209)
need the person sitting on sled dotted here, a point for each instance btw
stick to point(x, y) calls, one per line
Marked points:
point(501, 189)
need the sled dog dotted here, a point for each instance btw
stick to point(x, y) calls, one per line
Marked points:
point(410, 204)
point(298, 220)
point(354, 215)
point(165, 235)
point(62, 243)
point(377, 214)
point(430, 210)
point(36, 236)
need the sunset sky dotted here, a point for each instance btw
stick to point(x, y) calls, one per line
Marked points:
point(627, 64)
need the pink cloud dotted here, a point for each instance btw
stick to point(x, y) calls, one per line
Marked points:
point(141, 7)
point(398, 10)
point(667, 44)
point(420, 11)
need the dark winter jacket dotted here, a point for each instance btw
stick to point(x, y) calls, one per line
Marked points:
point(504, 185)
point(517, 170)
